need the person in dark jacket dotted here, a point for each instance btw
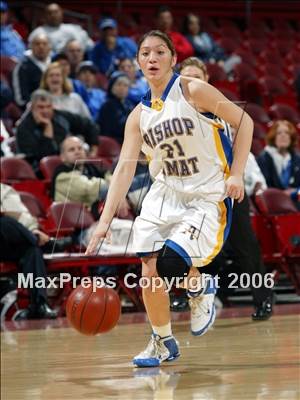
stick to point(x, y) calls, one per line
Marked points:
point(43, 129)
point(280, 162)
point(28, 73)
point(115, 110)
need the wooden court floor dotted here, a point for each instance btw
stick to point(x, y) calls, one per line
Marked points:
point(236, 359)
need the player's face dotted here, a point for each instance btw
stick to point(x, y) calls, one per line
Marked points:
point(155, 58)
point(194, 72)
point(283, 138)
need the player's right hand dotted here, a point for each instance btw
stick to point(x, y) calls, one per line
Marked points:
point(101, 232)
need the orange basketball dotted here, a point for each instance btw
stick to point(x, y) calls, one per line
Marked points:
point(93, 312)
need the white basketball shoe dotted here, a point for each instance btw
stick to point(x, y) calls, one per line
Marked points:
point(203, 310)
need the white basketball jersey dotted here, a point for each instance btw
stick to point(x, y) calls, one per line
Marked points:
point(189, 151)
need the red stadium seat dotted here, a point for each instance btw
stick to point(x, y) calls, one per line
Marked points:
point(230, 30)
point(293, 57)
point(256, 46)
point(69, 216)
point(257, 146)
point(18, 173)
point(7, 66)
point(257, 113)
point(229, 44)
point(274, 202)
point(33, 204)
point(271, 56)
point(283, 45)
point(270, 69)
point(247, 56)
point(257, 31)
point(48, 165)
point(108, 149)
point(272, 87)
point(281, 25)
point(278, 229)
point(283, 111)
point(15, 169)
point(259, 132)
point(215, 72)
point(244, 72)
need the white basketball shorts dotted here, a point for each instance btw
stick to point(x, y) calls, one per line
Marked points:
point(192, 226)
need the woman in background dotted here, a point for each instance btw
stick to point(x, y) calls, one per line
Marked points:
point(280, 162)
point(55, 82)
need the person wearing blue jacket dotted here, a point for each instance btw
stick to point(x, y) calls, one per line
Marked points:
point(11, 44)
point(111, 48)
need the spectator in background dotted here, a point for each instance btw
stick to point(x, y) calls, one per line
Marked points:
point(78, 86)
point(204, 45)
point(28, 72)
point(87, 72)
point(138, 85)
point(80, 181)
point(164, 22)
point(59, 33)
point(115, 110)
point(42, 129)
point(11, 44)
point(54, 81)
point(21, 241)
point(74, 51)
point(111, 47)
point(279, 162)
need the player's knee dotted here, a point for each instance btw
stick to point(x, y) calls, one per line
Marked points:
point(170, 264)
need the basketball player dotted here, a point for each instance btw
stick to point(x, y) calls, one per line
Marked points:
point(186, 214)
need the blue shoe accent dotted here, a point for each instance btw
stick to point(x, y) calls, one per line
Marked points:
point(158, 350)
point(146, 362)
point(171, 345)
point(208, 325)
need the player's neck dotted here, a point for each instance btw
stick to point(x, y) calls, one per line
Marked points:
point(158, 87)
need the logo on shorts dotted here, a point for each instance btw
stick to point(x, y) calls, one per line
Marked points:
point(193, 231)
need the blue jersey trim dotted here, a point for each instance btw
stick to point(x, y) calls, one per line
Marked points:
point(146, 99)
point(180, 250)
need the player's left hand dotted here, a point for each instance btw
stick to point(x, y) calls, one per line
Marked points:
point(235, 187)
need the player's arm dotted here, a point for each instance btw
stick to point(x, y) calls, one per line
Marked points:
point(122, 177)
point(209, 98)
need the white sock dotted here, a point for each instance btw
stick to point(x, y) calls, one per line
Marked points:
point(162, 331)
